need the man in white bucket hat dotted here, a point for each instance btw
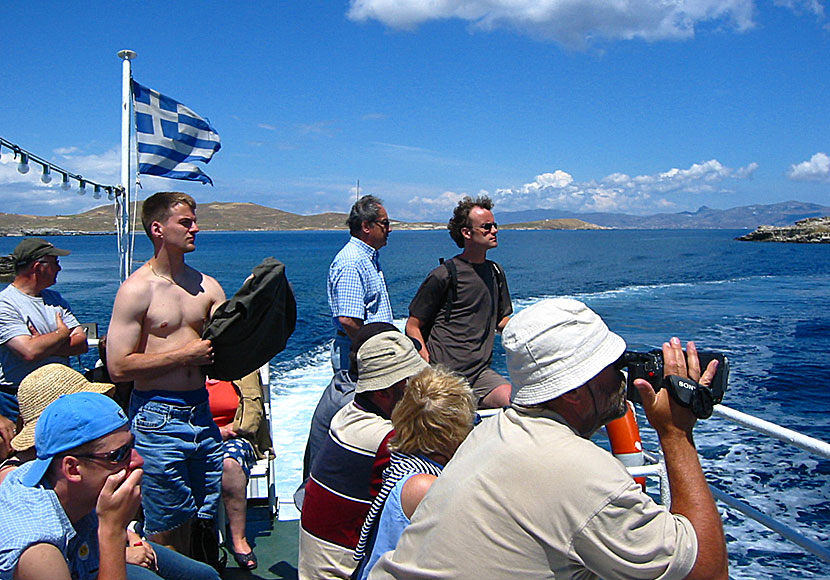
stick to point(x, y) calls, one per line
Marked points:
point(528, 495)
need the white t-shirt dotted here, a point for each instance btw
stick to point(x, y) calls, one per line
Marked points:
point(16, 310)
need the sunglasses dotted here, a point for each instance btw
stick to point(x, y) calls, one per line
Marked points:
point(488, 226)
point(383, 223)
point(115, 456)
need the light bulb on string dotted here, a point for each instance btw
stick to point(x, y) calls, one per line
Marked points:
point(46, 176)
point(110, 194)
point(65, 182)
point(81, 187)
point(23, 166)
point(96, 193)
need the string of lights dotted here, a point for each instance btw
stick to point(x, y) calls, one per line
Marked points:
point(48, 168)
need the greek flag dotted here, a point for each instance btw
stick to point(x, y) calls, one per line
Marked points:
point(170, 136)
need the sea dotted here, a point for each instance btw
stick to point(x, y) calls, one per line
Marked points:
point(765, 305)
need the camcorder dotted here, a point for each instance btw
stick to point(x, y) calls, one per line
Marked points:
point(699, 398)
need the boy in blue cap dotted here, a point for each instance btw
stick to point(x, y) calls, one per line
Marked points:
point(64, 515)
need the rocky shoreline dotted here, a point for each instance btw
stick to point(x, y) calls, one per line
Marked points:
point(806, 231)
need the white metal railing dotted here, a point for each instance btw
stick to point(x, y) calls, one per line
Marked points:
point(657, 467)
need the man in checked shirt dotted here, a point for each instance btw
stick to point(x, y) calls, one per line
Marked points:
point(356, 286)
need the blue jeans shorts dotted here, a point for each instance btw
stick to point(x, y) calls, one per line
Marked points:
point(182, 451)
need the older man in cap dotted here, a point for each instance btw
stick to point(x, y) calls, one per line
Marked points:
point(64, 515)
point(346, 474)
point(37, 326)
point(528, 495)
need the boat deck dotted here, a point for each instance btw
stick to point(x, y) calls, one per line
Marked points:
point(275, 546)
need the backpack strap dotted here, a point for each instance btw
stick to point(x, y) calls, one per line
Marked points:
point(452, 290)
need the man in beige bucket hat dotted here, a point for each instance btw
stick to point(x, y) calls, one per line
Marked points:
point(528, 495)
point(346, 474)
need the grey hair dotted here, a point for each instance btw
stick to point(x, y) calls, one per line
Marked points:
point(365, 209)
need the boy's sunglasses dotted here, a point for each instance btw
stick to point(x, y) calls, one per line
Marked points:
point(115, 456)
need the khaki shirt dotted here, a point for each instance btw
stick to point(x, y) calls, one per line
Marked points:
point(525, 497)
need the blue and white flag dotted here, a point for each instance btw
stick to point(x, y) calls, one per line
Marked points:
point(170, 136)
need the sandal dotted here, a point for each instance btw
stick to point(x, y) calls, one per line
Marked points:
point(246, 561)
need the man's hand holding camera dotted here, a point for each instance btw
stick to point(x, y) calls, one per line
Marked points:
point(663, 411)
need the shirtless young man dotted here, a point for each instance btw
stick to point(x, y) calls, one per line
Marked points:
point(154, 340)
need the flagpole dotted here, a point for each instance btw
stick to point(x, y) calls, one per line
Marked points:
point(125, 229)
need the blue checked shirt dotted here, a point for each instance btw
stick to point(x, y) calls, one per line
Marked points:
point(356, 285)
point(34, 515)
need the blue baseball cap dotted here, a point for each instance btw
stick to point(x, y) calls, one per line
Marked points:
point(68, 422)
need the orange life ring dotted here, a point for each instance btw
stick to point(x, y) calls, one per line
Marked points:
point(626, 444)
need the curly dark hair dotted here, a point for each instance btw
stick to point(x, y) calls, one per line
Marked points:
point(461, 216)
point(365, 209)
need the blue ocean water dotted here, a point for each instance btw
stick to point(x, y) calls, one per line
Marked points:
point(767, 306)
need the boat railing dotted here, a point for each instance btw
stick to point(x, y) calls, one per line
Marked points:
point(657, 468)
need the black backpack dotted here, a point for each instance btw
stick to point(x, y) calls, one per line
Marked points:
point(204, 544)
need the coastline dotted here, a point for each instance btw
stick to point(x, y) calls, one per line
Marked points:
point(806, 231)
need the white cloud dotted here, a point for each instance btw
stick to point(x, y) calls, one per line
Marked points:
point(25, 193)
point(617, 192)
point(814, 7)
point(816, 169)
point(569, 22)
point(445, 201)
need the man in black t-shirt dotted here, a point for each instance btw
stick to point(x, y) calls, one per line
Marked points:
point(463, 303)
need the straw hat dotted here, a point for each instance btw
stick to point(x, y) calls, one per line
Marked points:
point(42, 386)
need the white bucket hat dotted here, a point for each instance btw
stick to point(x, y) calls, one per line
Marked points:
point(385, 359)
point(556, 346)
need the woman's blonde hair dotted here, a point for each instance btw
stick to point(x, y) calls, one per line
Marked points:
point(435, 414)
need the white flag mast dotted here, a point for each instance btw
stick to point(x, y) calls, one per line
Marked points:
point(124, 219)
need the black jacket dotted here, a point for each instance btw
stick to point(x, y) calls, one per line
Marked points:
point(254, 325)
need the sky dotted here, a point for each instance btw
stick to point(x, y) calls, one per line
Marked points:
point(633, 106)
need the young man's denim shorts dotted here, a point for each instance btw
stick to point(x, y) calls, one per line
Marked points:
point(182, 451)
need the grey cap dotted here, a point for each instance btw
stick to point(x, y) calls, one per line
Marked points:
point(385, 359)
point(32, 249)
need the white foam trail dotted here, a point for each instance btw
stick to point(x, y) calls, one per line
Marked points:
point(295, 389)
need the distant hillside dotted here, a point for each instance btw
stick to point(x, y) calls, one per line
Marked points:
point(237, 216)
point(560, 224)
point(213, 216)
point(746, 217)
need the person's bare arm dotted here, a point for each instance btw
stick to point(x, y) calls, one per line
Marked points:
point(350, 325)
point(413, 329)
point(414, 490)
point(61, 342)
point(124, 362)
point(7, 431)
point(78, 344)
point(42, 562)
point(502, 323)
point(690, 493)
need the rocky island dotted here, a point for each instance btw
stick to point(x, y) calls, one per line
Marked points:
point(807, 231)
